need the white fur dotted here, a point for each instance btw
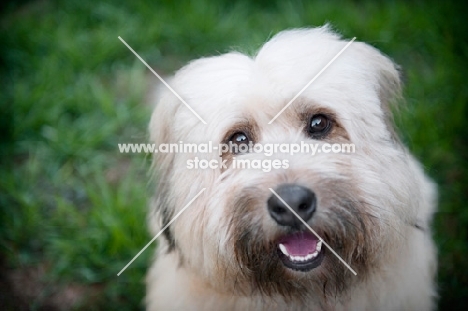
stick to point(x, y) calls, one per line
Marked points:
point(227, 89)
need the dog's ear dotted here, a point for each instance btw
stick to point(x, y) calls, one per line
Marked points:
point(390, 94)
point(389, 83)
point(161, 132)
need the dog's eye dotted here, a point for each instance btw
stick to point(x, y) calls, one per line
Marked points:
point(319, 126)
point(241, 140)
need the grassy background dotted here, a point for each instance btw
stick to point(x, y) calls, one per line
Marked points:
point(72, 209)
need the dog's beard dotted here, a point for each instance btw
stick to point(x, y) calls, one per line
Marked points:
point(342, 222)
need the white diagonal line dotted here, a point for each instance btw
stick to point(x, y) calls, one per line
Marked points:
point(312, 230)
point(313, 79)
point(164, 82)
point(162, 230)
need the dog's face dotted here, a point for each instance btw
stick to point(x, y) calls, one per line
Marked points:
point(238, 235)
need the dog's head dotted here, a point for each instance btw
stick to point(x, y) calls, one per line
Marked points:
point(239, 234)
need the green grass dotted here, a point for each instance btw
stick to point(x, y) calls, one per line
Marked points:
point(70, 91)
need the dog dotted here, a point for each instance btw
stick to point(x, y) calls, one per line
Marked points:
point(332, 231)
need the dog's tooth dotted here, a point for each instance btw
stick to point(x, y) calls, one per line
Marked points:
point(314, 254)
point(319, 246)
point(283, 249)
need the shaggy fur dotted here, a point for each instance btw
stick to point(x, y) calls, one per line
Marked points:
point(374, 206)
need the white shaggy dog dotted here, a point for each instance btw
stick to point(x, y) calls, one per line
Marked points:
point(237, 246)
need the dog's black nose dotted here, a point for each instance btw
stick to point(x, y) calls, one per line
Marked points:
point(300, 199)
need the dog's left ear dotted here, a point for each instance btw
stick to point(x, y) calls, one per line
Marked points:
point(389, 83)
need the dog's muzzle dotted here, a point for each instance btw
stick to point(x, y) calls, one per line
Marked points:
point(301, 250)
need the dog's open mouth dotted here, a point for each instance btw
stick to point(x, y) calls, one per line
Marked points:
point(300, 251)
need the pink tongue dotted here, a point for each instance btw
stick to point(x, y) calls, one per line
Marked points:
point(300, 244)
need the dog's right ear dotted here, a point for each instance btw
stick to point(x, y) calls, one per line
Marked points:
point(161, 131)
